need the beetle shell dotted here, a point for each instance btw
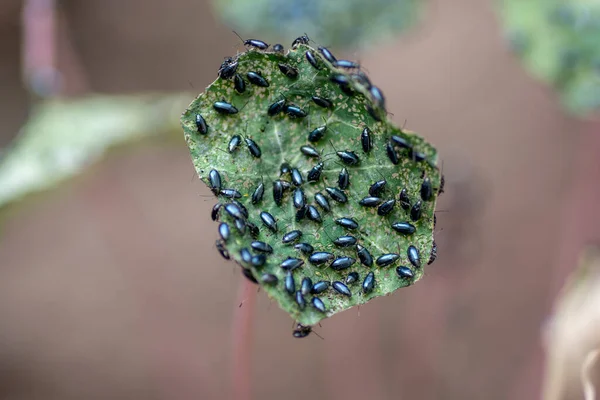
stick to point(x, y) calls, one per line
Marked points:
point(337, 195)
point(369, 283)
point(387, 259)
point(364, 256)
point(291, 236)
point(256, 78)
point(313, 214)
point(321, 102)
point(201, 125)
point(370, 201)
point(222, 107)
point(342, 263)
point(414, 256)
point(320, 257)
point(404, 272)
point(269, 221)
point(319, 287)
point(352, 277)
point(305, 248)
point(322, 202)
point(376, 188)
point(306, 286)
point(289, 283)
point(386, 207)
point(300, 300)
point(318, 304)
point(341, 288)
point(290, 264)
point(261, 247)
point(288, 70)
point(404, 228)
point(347, 223)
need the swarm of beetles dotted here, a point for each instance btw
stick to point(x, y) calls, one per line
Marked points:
point(321, 200)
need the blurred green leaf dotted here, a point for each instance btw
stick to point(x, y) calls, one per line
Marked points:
point(339, 23)
point(62, 137)
point(559, 42)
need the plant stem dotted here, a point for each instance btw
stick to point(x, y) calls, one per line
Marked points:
point(242, 340)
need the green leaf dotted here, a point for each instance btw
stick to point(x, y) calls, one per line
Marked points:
point(62, 137)
point(280, 138)
point(558, 42)
point(340, 23)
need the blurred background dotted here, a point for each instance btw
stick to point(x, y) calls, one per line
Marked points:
point(110, 283)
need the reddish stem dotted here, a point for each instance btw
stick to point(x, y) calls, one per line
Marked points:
point(242, 341)
point(39, 45)
point(51, 65)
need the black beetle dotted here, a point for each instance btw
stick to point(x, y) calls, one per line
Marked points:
point(337, 195)
point(369, 283)
point(315, 173)
point(276, 107)
point(214, 179)
point(258, 193)
point(291, 236)
point(415, 211)
point(256, 78)
point(222, 250)
point(320, 257)
point(313, 214)
point(222, 107)
point(299, 199)
point(248, 274)
point(269, 221)
point(261, 247)
point(376, 188)
point(310, 57)
point(404, 272)
point(234, 143)
point(317, 134)
point(341, 288)
point(327, 54)
point(370, 201)
point(239, 84)
point(366, 140)
point(201, 124)
point(352, 277)
point(319, 287)
point(322, 102)
point(345, 241)
point(253, 148)
point(288, 70)
point(364, 256)
point(344, 179)
point(230, 193)
point(347, 223)
point(413, 256)
point(290, 264)
point(300, 300)
point(306, 286)
point(294, 111)
point(269, 279)
point(289, 283)
point(318, 304)
point(404, 228)
point(387, 259)
point(305, 248)
point(386, 207)
point(322, 202)
point(342, 263)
